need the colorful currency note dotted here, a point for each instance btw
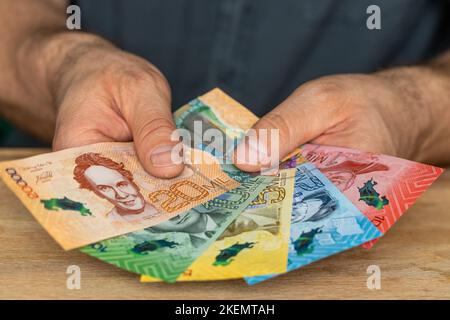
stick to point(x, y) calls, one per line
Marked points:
point(87, 194)
point(256, 243)
point(166, 250)
point(324, 222)
point(382, 187)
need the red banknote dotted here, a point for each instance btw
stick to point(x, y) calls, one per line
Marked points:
point(380, 186)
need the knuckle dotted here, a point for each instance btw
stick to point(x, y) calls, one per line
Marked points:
point(336, 93)
point(156, 126)
point(326, 90)
point(135, 77)
point(273, 120)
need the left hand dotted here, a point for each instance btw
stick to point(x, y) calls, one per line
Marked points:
point(380, 113)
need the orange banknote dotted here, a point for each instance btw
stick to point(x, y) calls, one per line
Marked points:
point(87, 194)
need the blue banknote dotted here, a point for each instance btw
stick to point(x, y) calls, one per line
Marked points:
point(324, 222)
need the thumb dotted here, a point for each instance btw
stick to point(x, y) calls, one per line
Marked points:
point(152, 126)
point(297, 120)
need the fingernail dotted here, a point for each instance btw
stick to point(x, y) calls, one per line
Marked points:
point(258, 149)
point(162, 156)
point(252, 153)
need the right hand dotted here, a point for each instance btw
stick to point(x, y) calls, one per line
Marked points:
point(104, 94)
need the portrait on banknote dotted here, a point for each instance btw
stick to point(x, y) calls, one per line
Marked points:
point(199, 225)
point(313, 207)
point(110, 180)
point(261, 219)
point(342, 168)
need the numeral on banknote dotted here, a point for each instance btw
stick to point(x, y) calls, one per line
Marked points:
point(175, 193)
point(23, 185)
point(263, 197)
point(231, 202)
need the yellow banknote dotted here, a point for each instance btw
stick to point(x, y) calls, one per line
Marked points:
point(91, 193)
point(256, 243)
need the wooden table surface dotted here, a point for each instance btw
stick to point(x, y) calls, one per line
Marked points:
point(414, 258)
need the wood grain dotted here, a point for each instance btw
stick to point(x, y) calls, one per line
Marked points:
point(414, 257)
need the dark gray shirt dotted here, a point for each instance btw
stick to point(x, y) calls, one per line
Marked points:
point(259, 51)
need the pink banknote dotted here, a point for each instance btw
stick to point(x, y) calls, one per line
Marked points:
point(380, 186)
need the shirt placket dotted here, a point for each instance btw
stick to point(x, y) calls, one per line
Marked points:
point(229, 56)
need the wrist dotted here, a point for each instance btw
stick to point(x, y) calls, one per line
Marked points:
point(408, 106)
point(54, 60)
point(66, 57)
point(422, 91)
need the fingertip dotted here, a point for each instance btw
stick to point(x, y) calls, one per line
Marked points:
point(241, 162)
point(164, 162)
point(168, 172)
point(248, 167)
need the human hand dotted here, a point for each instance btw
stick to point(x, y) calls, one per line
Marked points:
point(104, 94)
point(380, 113)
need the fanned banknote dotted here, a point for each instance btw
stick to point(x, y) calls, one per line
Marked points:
point(256, 243)
point(87, 194)
point(166, 250)
point(216, 110)
point(212, 111)
point(382, 187)
point(324, 222)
